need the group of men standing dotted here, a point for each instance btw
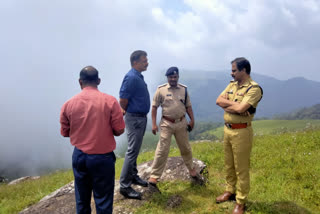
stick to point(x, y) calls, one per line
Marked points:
point(91, 119)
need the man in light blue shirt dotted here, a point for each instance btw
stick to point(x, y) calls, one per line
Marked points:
point(135, 102)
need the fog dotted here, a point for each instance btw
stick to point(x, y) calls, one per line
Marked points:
point(45, 44)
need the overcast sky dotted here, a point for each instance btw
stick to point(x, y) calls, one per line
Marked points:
point(44, 44)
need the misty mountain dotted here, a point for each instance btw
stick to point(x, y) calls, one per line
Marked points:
point(312, 112)
point(30, 140)
point(280, 96)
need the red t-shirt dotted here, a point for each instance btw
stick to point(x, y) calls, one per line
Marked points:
point(89, 119)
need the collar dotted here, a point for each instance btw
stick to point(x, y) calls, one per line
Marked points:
point(89, 88)
point(177, 87)
point(136, 72)
point(246, 83)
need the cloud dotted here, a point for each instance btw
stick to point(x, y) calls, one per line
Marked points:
point(44, 45)
point(267, 32)
point(212, 31)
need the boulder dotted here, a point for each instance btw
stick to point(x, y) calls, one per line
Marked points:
point(22, 179)
point(62, 201)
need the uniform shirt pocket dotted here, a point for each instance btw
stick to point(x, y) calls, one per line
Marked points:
point(168, 99)
point(238, 97)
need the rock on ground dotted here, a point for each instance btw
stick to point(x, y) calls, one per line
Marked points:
point(19, 180)
point(62, 201)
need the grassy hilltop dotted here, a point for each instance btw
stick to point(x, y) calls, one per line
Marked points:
point(285, 175)
point(270, 127)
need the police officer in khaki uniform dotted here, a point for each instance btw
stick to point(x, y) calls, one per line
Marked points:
point(175, 102)
point(239, 102)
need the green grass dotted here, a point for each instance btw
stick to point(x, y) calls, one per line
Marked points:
point(286, 172)
point(285, 178)
point(263, 127)
point(285, 175)
point(149, 143)
point(15, 198)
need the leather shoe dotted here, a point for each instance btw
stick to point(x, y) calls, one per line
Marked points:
point(239, 209)
point(129, 192)
point(198, 179)
point(226, 196)
point(153, 187)
point(140, 182)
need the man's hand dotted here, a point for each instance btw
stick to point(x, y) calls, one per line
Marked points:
point(124, 105)
point(154, 120)
point(223, 101)
point(190, 114)
point(155, 129)
point(123, 111)
point(191, 124)
point(118, 132)
point(225, 96)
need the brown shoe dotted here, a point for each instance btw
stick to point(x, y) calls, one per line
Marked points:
point(226, 196)
point(153, 180)
point(239, 209)
point(153, 185)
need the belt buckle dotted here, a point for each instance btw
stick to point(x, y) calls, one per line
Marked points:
point(229, 125)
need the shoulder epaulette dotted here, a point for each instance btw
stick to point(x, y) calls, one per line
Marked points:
point(253, 83)
point(160, 86)
point(183, 85)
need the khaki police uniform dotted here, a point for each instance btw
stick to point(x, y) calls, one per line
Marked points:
point(238, 140)
point(173, 103)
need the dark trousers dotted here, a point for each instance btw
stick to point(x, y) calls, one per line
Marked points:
point(93, 173)
point(135, 127)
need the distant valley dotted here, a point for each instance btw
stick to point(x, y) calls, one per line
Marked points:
point(280, 96)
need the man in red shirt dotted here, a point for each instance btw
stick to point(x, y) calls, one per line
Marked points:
point(91, 119)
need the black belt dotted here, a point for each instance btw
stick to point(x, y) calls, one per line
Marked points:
point(136, 114)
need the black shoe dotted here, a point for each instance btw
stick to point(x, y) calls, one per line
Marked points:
point(198, 180)
point(153, 187)
point(130, 193)
point(140, 182)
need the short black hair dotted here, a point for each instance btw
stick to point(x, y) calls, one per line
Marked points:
point(242, 63)
point(135, 56)
point(89, 75)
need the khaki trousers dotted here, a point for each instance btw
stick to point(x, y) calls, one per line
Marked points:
point(237, 148)
point(167, 129)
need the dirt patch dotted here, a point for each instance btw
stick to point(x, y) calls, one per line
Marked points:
point(174, 201)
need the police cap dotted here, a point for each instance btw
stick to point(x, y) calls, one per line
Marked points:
point(172, 71)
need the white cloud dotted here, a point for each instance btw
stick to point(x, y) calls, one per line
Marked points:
point(105, 33)
point(290, 16)
point(215, 31)
point(312, 5)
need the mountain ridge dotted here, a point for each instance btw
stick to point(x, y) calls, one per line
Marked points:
point(280, 96)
